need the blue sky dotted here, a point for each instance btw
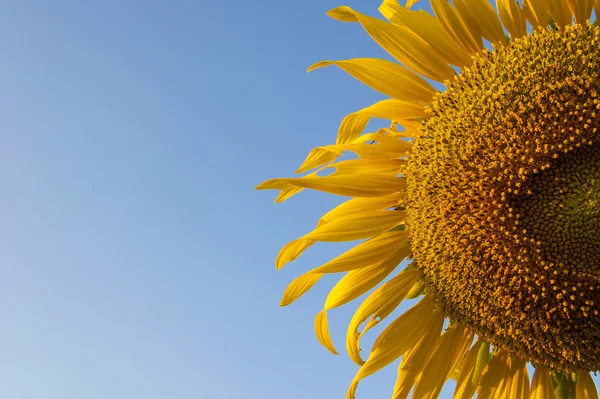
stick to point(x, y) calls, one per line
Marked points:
point(136, 259)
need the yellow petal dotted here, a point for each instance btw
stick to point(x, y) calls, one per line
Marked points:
point(495, 377)
point(386, 77)
point(379, 145)
point(299, 287)
point(416, 290)
point(368, 166)
point(350, 394)
point(291, 251)
point(519, 379)
point(428, 28)
point(456, 28)
point(368, 253)
point(483, 358)
point(456, 371)
point(400, 133)
point(536, 12)
point(479, 15)
point(322, 331)
point(401, 43)
point(448, 352)
point(559, 10)
point(347, 185)
point(512, 17)
point(287, 189)
point(400, 336)
point(361, 204)
point(380, 150)
point(586, 388)
point(287, 193)
point(541, 386)
point(319, 156)
point(414, 360)
point(411, 127)
point(381, 136)
point(410, 3)
point(395, 109)
point(357, 282)
point(384, 311)
point(581, 9)
point(392, 292)
point(356, 227)
point(351, 127)
point(466, 385)
point(386, 148)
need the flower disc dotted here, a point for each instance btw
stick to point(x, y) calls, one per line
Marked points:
point(504, 198)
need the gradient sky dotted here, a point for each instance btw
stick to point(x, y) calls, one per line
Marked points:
point(136, 259)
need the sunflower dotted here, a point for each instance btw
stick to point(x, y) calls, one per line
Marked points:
point(489, 187)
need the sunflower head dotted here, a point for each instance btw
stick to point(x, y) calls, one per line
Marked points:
point(490, 186)
point(503, 185)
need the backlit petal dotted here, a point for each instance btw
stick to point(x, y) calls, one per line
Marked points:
point(361, 204)
point(559, 10)
point(287, 193)
point(581, 9)
point(428, 28)
point(322, 331)
point(291, 251)
point(519, 379)
point(351, 127)
point(392, 292)
point(512, 17)
point(401, 43)
point(299, 287)
point(541, 386)
point(356, 227)
point(495, 377)
point(536, 12)
point(480, 16)
point(400, 336)
point(416, 358)
point(320, 156)
point(347, 185)
point(395, 109)
point(370, 166)
point(585, 388)
point(371, 252)
point(467, 381)
point(456, 28)
point(357, 282)
point(386, 77)
point(448, 352)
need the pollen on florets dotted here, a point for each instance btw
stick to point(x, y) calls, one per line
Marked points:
point(503, 198)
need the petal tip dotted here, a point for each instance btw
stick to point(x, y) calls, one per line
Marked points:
point(318, 65)
point(343, 13)
point(283, 303)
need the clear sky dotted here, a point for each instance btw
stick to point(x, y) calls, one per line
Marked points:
point(136, 259)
